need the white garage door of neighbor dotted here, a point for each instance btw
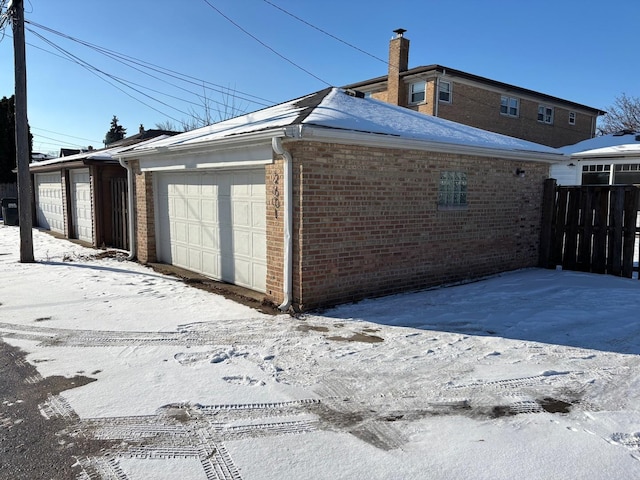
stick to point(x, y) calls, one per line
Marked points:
point(214, 223)
point(81, 212)
point(49, 211)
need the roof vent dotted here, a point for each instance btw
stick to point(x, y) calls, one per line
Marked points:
point(354, 93)
point(625, 131)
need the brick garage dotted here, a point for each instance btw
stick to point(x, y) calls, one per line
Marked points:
point(367, 221)
point(367, 215)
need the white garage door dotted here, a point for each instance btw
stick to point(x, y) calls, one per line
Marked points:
point(81, 212)
point(214, 223)
point(49, 211)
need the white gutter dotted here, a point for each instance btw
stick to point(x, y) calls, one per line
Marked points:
point(276, 143)
point(132, 236)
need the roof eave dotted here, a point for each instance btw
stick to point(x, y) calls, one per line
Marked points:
point(323, 134)
point(232, 141)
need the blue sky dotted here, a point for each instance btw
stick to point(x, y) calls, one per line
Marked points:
point(581, 50)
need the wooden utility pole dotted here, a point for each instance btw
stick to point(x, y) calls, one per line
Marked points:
point(25, 217)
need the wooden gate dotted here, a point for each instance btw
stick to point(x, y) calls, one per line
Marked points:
point(590, 228)
point(119, 213)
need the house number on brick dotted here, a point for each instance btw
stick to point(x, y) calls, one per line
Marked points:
point(275, 195)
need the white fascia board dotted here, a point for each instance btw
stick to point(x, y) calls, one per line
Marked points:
point(229, 158)
point(202, 147)
point(249, 150)
point(327, 135)
point(613, 156)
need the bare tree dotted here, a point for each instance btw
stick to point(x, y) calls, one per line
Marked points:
point(167, 125)
point(624, 114)
point(210, 111)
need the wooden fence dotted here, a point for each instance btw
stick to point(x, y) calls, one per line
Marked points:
point(119, 213)
point(590, 228)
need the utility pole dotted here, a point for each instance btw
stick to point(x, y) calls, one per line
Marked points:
point(25, 217)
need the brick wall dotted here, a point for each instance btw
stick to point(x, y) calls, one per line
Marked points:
point(275, 191)
point(144, 215)
point(367, 222)
point(479, 107)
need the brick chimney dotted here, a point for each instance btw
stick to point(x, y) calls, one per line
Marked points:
point(398, 62)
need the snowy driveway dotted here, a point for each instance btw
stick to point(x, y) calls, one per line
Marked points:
point(533, 374)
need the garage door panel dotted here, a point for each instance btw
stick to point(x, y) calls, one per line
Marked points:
point(180, 231)
point(225, 217)
point(209, 210)
point(242, 243)
point(241, 214)
point(195, 238)
point(258, 245)
point(49, 211)
point(81, 208)
point(258, 215)
point(210, 223)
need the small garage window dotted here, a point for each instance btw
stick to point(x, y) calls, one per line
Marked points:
point(452, 190)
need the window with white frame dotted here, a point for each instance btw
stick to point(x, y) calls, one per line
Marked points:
point(572, 118)
point(545, 114)
point(509, 106)
point(596, 174)
point(452, 190)
point(444, 91)
point(417, 92)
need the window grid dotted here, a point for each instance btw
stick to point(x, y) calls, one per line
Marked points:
point(417, 92)
point(452, 189)
point(545, 114)
point(444, 94)
point(509, 106)
point(572, 118)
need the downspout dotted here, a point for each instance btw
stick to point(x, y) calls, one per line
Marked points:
point(132, 237)
point(276, 143)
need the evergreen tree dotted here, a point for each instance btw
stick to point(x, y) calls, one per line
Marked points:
point(115, 133)
point(8, 140)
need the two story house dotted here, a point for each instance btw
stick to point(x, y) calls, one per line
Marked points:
point(479, 102)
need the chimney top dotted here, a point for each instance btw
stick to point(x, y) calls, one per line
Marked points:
point(399, 32)
point(141, 128)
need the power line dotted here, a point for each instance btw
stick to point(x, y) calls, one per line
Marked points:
point(127, 60)
point(265, 45)
point(325, 32)
point(98, 72)
point(64, 134)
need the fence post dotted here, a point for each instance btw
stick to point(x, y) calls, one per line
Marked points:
point(546, 227)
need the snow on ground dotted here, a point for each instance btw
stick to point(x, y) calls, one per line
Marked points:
point(532, 374)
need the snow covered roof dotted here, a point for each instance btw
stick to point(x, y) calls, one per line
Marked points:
point(625, 143)
point(104, 154)
point(335, 110)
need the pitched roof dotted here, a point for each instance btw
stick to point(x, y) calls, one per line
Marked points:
point(335, 110)
point(103, 155)
point(433, 69)
point(624, 143)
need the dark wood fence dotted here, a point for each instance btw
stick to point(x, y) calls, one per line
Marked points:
point(119, 213)
point(590, 228)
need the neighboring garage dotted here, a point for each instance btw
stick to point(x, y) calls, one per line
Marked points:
point(214, 222)
point(49, 208)
point(81, 209)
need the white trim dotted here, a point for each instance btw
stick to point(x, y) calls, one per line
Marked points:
point(231, 157)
